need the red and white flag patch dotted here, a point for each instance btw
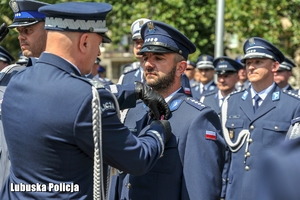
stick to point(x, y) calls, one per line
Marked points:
point(211, 135)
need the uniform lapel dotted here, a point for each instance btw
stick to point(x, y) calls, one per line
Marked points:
point(246, 105)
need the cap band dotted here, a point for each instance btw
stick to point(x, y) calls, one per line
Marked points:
point(97, 26)
point(160, 44)
point(29, 15)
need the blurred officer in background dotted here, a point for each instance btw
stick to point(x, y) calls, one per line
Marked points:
point(136, 73)
point(206, 76)
point(22, 60)
point(227, 72)
point(190, 72)
point(58, 125)
point(284, 72)
point(193, 159)
point(5, 58)
point(32, 36)
point(102, 77)
point(255, 119)
point(243, 82)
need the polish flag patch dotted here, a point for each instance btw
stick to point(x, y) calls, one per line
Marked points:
point(187, 90)
point(210, 135)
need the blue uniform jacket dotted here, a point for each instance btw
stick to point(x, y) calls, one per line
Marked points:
point(267, 127)
point(192, 164)
point(212, 100)
point(195, 90)
point(47, 120)
point(280, 171)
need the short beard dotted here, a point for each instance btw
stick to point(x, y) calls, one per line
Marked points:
point(164, 83)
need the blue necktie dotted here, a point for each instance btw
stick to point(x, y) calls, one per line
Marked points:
point(256, 99)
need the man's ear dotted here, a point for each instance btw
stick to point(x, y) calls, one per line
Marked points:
point(275, 66)
point(181, 66)
point(83, 42)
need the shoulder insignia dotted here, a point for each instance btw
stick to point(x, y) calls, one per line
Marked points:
point(210, 93)
point(175, 104)
point(237, 92)
point(195, 103)
point(194, 84)
point(212, 87)
point(291, 93)
point(97, 84)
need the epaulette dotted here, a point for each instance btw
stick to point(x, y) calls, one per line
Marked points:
point(195, 103)
point(194, 84)
point(236, 92)
point(290, 93)
point(210, 93)
point(92, 82)
point(131, 70)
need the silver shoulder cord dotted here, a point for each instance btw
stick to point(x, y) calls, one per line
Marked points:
point(243, 135)
point(293, 132)
point(98, 186)
point(97, 135)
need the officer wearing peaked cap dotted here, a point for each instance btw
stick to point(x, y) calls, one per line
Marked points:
point(243, 82)
point(177, 175)
point(33, 42)
point(58, 135)
point(227, 72)
point(190, 71)
point(284, 72)
point(136, 72)
point(205, 70)
point(253, 120)
point(5, 58)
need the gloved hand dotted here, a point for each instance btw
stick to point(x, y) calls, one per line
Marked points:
point(3, 31)
point(156, 103)
point(163, 127)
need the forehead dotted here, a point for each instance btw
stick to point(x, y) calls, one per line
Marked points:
point(30, 26)
point(138, 40)
point(256, 59)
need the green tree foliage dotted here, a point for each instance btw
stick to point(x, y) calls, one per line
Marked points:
point(196, 19)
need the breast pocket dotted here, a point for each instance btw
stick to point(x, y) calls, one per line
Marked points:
point(274, 132)
point(234, 126)
point(170, 159)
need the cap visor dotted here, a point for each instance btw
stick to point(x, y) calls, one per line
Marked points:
point(18, 24)
point(156, 49)
point(105, 39)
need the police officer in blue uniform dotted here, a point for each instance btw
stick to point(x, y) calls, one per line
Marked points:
point(227, 72)
point(137, 72)
point(192, 163)
point(243, 82)
point(5, 58)
point(206, 70)
point(284, 72)
point(256, 119)
point(29, 23)
point(58, 126)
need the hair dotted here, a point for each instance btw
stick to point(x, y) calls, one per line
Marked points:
point(178, 58)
